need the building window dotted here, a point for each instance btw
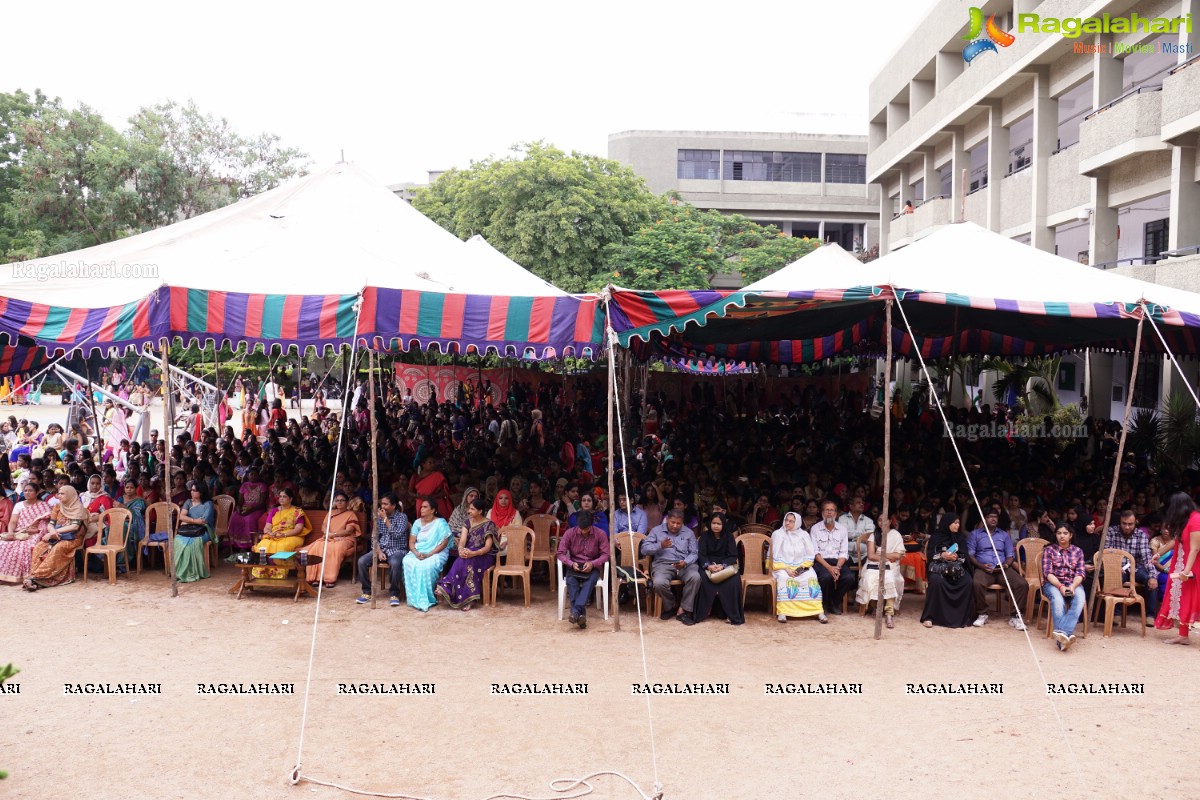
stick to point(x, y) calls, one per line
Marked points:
point(1154, 242)
point(754, 165)
point(701, 165)
point(1145, 388)
point(845, 168)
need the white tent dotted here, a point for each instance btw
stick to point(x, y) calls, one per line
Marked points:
point(828, 265)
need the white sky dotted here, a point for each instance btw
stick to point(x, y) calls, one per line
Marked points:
point(432, 85)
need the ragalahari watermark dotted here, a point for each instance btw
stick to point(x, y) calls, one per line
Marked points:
point(81, 270)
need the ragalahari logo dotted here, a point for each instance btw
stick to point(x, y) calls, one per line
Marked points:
point(995, 36)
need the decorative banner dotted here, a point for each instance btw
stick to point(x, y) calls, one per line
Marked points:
point(424, 381)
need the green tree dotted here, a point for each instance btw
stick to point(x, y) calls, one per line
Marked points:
point(680, 248)
point(550, 211)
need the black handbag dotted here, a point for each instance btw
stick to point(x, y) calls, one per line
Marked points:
point(191, 530)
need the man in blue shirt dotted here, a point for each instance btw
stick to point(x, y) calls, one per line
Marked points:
point(673, 548)
point(635, 520)
point(990, 551)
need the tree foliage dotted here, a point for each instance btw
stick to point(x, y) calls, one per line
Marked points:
point(69, 179)
point(550, 211)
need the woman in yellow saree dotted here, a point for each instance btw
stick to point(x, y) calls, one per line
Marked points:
point(284, 532)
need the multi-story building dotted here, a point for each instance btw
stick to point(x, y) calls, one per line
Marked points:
point(1081, 144)
point(810, 185)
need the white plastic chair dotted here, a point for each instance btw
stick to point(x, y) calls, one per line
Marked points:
point(601, 590)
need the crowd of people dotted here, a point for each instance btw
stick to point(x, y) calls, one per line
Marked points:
point(696, 471)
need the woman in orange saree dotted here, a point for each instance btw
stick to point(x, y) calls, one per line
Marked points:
point(53, 558)
point(344, 533)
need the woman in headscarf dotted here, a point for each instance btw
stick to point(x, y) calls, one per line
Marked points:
point(53, 558)
point(344, 533)
point(948, 599)
point(461, 514)
point(797, 590)
point(504, 511)
point(196, 520)
point(883, 556)
point(25, 528)
point(429, 547)
point(478, 540)
point(1088, 537)
point(719, 579)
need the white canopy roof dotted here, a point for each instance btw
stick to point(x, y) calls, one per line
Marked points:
point(332, 232)
point(828, 265)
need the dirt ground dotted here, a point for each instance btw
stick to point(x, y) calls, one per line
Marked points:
point(465, 742)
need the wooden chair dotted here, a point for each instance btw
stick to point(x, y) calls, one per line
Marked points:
point(1113, 589)
point(117, 521)
point(756, 547)
point(165, 518)
point(225, 505)
point(601, 590)
point(546, 528)
point(630, 561)
point(516, 560)
point(1029, 552)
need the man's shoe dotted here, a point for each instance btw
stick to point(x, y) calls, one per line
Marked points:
point(1070, 641)
point(837, 610)
point(980, 621)
point(1060, 639)
point(667, 613)
point(1015, 622)
point(687, 619)
point(573, 618)
point(583, 622)
point(1058, 643)
point(363, 599)
point(394, 602)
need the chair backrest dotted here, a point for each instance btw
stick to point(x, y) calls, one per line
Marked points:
point(754, 527)
point(520, 540)
point(756, 546)
point(862, 546)
point(165, 516)
point(545, 526)
point(1112, 579)
point(225, 505)
point(1030, 551)
point(629, 545)
point(117, 519)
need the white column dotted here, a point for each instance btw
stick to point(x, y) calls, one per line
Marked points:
point(1045, 137)
point(1102, 233)
point(1184, 226)
point(997, 161)
point(959, 161)
point(821, 231)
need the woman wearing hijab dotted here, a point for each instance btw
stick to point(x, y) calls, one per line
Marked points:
point(504, 512)
point(53, 558)
point(948, 600)
point(797, 590)
point(719, 579)
point(1087, 537)
point(461, 513)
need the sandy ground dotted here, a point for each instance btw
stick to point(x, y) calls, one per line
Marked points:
point(464, 742)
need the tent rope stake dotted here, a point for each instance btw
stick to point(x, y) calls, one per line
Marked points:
point(1062, 728)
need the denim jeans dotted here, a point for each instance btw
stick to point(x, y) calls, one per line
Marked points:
point(1152, 595)
point(396, 570)
point(579, 589)
point(1065, 619)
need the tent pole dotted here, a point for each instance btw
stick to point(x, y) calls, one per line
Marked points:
point(98, 430)
point(374, 474)
point(887, 476)
point(1137, 354)
point(166, 371)
point(613, 575)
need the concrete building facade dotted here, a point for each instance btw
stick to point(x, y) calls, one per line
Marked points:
point(804, 184)
point(1081, 145)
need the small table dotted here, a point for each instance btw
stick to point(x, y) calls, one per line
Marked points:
point(294, 582)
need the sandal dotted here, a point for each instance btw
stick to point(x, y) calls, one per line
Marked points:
point(888, 621)
point(330, 585)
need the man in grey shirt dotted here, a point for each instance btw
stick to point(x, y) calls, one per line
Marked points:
point(673, 550)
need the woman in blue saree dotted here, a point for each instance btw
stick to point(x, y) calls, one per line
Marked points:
point(196, 520)
point(136, 507)
point(429, 547)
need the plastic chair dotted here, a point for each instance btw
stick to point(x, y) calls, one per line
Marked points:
point(755, 573)
point(601, 590)
point(545, 542)
point(630, 561)
point(117, 521)
point(1029, 553)
point(1114, 590)
point(516, 560)
point(225, 505)
point(166, 520)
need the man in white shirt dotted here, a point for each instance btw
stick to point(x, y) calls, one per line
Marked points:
point(856, 523)
point(831, 541)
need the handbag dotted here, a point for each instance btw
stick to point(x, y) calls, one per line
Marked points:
point(723, 575)
point(191, 530)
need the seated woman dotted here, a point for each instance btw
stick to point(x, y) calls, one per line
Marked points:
point(1062, 569)
point(889, 556)
point(948, 599)
point(26, 527)
point(344, 533)
point(797, 590)
point(136, 507)
point(478, 541)
point(196, 520)
point(719, 579)
point(283, 532)
point(429, 547)
point(53, 558)
point(251, 503)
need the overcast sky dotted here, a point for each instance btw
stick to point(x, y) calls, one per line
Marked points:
point(419, 86)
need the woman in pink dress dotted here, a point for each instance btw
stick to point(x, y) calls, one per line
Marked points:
point(24, 526)
point(251, 503)
point(1181, 601)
